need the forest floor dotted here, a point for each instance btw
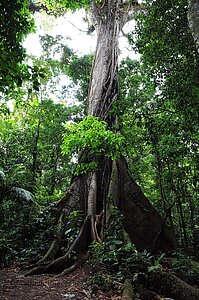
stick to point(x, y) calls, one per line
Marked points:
point(79, 285)
point(15, 286)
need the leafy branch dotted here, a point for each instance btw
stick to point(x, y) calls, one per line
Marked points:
point(93, 137)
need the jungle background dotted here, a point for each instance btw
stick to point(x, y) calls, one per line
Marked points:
point(157, 120)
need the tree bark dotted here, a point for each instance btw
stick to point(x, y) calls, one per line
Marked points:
point(193, 18)
point(103, 91)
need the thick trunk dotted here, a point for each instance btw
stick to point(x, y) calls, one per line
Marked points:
point(193, 18)
point(108, 19)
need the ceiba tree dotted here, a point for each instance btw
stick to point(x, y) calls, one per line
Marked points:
point(111, 182)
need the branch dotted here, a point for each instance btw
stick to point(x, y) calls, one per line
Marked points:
point(85, 31)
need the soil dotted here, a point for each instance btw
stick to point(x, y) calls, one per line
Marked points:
point(15, 286)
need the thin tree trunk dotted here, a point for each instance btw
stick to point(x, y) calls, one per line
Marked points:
point(35, 149)
point(54, 162)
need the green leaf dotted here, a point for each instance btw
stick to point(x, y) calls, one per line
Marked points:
point(92, 136)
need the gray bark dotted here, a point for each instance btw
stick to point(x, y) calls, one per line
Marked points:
point(104, 84)
point(108, 19)
point(193, 18)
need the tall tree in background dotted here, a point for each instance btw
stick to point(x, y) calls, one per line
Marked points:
point(110, 182)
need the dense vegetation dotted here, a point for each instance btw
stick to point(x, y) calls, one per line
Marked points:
point(157, 117)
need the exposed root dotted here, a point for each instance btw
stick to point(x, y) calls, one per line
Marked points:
point(168, 284)
point(96, 224)
point(65, 264)
point(35, 271)
point(79, 262)
point(81, 242)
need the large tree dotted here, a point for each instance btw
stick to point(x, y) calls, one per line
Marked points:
point(94, 191)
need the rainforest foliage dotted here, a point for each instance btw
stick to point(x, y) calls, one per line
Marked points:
point(93, 137)
point(42, 136)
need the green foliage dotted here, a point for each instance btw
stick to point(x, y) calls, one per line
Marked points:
point(73, 224)
point(32, 133)
point(185, 267)
point(70, 64)
point(83, 168)
point(163, 37)
point(159, 117)
point(161, 142)
point(16, 23)
point(93, 138)
point(78, 69)
point(156, 264)
point(104, 282)
point(118, 256)
point(110, 251)
point(25, 231)
point(66, 4)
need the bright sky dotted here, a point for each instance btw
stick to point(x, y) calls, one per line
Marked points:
point(71, 25)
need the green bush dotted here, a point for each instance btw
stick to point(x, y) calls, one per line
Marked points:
point(186, 268)
point(25, 231)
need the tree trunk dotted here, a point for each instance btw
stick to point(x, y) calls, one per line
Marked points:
point(35, 150)
point(193, 18)
point(54, 162)
point(89, 192)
